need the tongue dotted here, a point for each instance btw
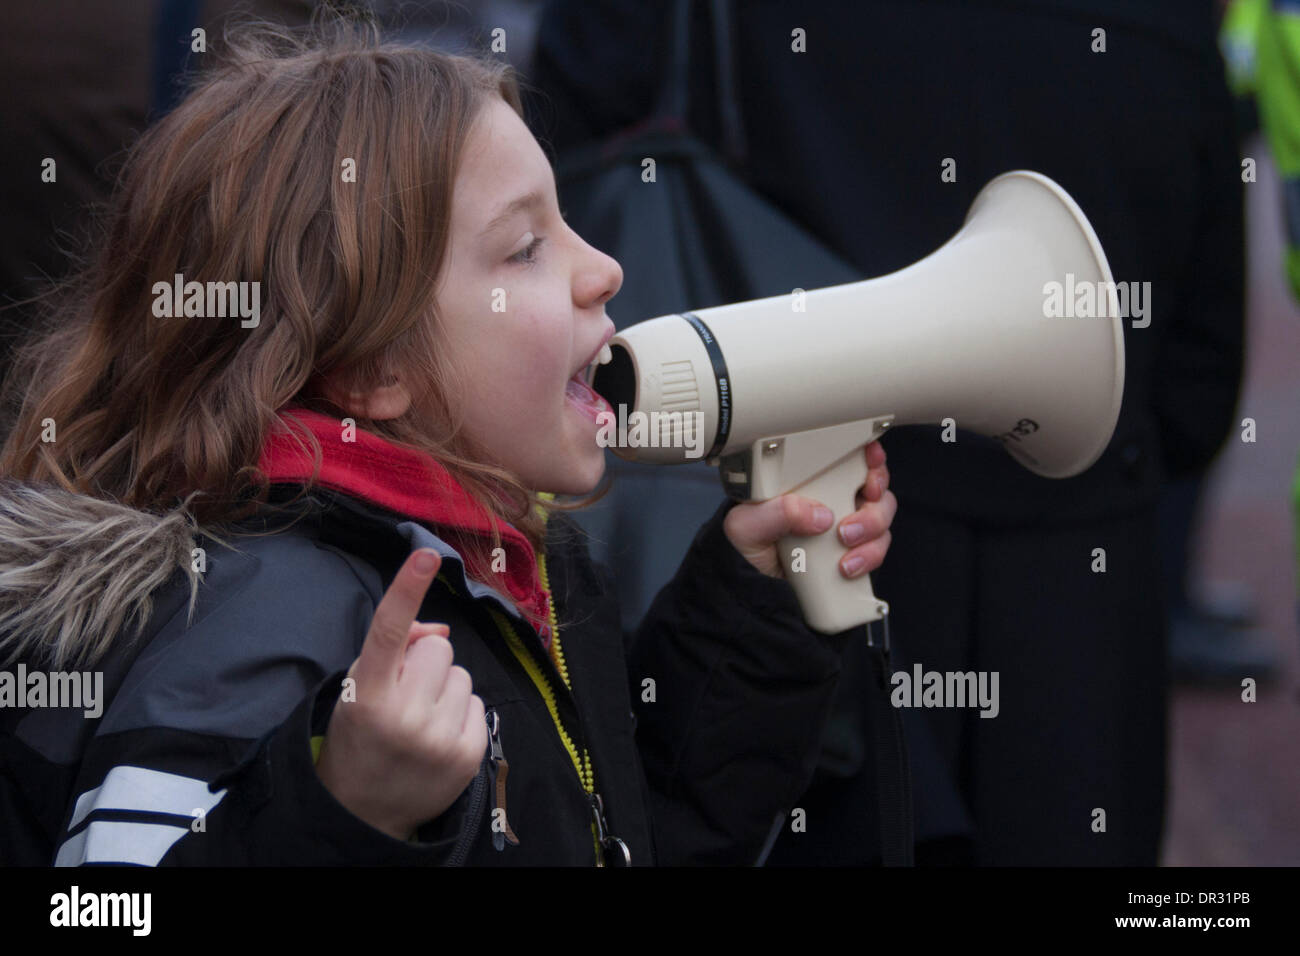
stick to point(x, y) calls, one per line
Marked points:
point(583, 395)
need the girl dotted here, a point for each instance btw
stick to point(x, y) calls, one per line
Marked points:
point(242, 517)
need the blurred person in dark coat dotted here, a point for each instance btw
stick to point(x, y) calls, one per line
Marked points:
point(992, 568)
point(83, 81)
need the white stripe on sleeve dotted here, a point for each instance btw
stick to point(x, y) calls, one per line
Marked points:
point(136, 789)
point(139, 788)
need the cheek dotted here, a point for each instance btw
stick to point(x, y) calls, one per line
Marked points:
point(513, 363)
point(517, 379)
point(540, 353)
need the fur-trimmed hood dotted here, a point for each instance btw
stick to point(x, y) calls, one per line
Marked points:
point(75, 571)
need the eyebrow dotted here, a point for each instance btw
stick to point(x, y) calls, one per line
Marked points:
point(528, 201)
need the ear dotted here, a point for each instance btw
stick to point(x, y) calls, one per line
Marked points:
point(377, 403)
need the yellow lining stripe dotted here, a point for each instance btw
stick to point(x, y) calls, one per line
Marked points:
point(581, 765)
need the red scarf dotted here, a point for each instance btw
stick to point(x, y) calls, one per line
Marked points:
point(408, 483)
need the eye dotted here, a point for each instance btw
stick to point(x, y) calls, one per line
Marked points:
point(528, 254)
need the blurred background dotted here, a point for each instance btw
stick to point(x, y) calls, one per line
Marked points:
point(1235, 771)
point(85, 78)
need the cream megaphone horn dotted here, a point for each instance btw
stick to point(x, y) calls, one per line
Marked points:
point(782, 393)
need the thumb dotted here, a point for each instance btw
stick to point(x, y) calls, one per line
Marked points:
point(755, 526)
point(420, 630)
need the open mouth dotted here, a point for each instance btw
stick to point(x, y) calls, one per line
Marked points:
point(578, 388)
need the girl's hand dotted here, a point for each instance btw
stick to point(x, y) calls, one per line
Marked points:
point(413, 738)
point(754, 528)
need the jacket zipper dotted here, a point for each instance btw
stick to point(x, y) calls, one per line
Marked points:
point(473, 820)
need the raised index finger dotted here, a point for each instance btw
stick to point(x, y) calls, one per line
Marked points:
point(385, 646)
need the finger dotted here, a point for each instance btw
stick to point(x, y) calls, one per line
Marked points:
point(865, 559)
point(473, 735)
point(875, 454)
point(753, 526)
point(870, 521)
point(421, 629)
point(424, 671)
point(449, 710)
point(799, 516)
point(385, 646)
point(877, 483)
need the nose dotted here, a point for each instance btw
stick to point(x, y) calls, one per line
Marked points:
point(599, 280)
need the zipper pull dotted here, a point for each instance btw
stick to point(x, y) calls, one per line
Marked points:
point(501, 830)
point(608, 842)
point(494, 734)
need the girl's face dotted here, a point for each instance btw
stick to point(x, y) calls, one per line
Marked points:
point(523, 300)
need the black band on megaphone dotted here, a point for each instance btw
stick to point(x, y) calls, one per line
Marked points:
point(720, 377)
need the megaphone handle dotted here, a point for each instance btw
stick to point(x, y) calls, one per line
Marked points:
point(831, 602)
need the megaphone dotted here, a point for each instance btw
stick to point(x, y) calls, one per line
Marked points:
point(781, 393)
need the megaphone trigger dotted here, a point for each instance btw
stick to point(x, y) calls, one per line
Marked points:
point(831, 602)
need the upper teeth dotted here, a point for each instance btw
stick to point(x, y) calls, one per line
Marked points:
point(603, 357)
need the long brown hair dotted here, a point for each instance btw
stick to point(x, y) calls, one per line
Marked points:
point(244, 181)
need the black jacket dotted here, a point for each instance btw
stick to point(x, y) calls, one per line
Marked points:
point(217, 714)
